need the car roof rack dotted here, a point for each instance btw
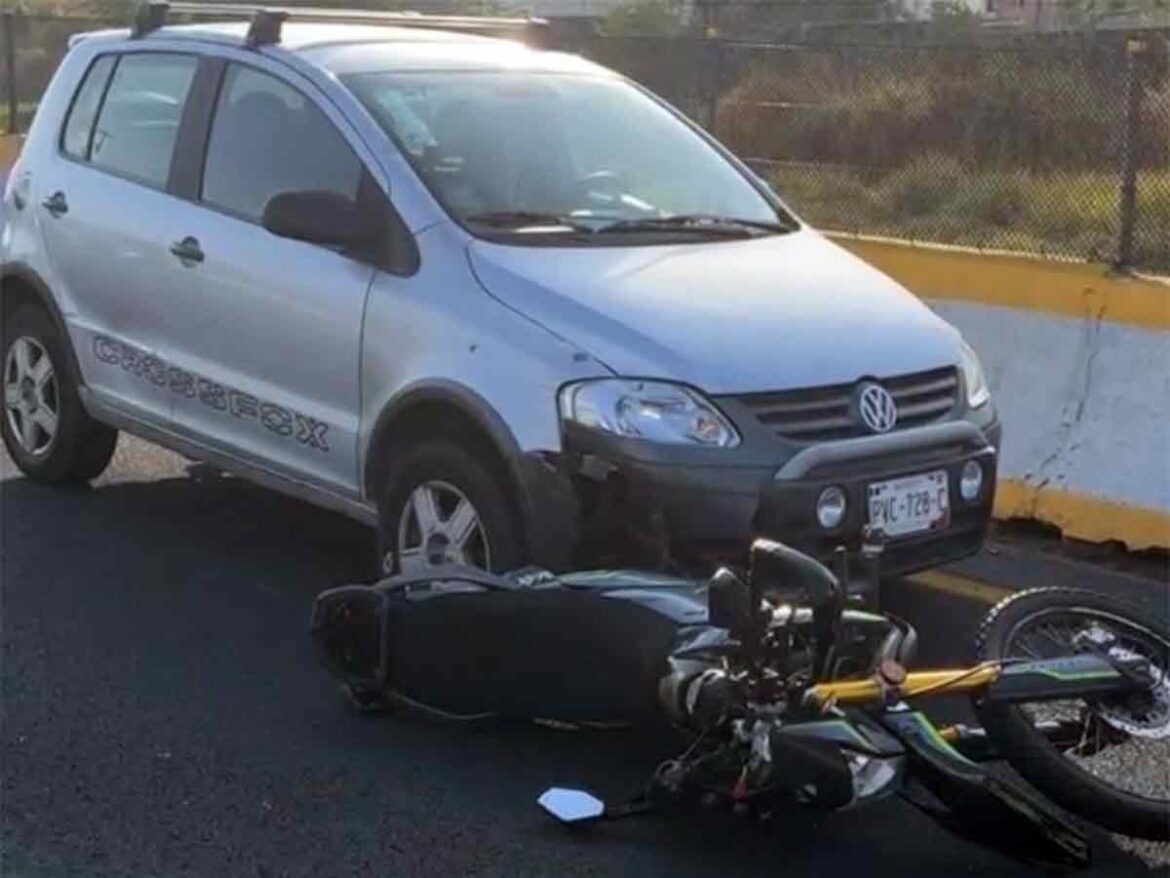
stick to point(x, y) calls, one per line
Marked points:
point(266, 21)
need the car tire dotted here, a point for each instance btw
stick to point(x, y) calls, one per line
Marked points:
point(450, 475)
point(49, 435)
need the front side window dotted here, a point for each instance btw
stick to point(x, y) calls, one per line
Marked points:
point(139, 118)
point(594, 150)
point(79, 124)
point(268, 138)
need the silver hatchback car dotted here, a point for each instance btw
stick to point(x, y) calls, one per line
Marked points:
point(498, 301)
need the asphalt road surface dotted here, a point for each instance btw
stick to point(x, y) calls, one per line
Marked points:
point(163, 717)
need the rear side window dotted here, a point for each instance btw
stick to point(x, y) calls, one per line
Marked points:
point(139, 118)
point(268, 138)
point(79, 124)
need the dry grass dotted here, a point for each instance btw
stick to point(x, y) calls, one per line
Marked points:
point(935, 198)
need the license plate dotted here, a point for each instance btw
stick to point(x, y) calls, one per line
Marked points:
point(910, 505)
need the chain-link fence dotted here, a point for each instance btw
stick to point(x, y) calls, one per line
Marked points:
point(32, 46)
point(1058, 147)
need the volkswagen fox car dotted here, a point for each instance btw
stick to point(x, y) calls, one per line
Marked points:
point(501, 303)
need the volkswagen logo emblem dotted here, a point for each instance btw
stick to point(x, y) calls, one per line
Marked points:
point(876, 408)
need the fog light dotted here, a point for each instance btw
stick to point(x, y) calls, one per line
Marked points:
point(831, 507)
point(971, 481)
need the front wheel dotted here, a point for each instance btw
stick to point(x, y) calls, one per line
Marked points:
point(444, 504)
point(1109, 762)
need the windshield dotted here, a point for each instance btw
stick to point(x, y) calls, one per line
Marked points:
point(555, 153)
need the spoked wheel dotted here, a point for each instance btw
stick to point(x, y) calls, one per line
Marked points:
point(1105, 758)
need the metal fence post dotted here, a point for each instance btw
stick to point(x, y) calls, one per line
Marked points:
point(10, 69)
point(1130, 147)
point(715, 85)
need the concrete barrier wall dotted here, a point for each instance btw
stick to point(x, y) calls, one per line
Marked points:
point(1079, 363)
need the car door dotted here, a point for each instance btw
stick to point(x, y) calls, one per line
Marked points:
point(103, 199)
point(266, 330)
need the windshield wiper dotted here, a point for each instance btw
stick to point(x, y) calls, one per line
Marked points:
point(520, 219)
point(700, 223)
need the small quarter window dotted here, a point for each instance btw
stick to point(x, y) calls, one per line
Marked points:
point(79, 124)
point(139, 119)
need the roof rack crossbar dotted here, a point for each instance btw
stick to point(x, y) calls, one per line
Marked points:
point(265, 27)
point(149, 17)
point(266, 21)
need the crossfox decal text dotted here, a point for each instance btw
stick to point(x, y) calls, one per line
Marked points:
point(234, 403)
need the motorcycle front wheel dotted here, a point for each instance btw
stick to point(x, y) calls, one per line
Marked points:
point(1114, 767)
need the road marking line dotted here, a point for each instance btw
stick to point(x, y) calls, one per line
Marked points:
point(962, 586)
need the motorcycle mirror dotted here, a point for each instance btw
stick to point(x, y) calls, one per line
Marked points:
point(729, 602)
point(794, 576)
point(572, 806)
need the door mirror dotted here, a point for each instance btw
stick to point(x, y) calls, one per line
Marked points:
point(319, 217)
point(571, 806)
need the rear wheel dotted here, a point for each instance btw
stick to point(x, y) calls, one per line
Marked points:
point(1110, 763)
point(46, 430)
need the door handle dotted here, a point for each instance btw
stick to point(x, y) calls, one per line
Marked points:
point(188, 251)
point(56, 204)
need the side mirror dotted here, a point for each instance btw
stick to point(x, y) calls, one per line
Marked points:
point(318, 217)
point(783, 571)
point(571, 806)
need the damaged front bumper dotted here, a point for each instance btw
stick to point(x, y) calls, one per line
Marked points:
point(616, 498)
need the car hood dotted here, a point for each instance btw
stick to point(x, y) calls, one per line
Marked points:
point(769, 313)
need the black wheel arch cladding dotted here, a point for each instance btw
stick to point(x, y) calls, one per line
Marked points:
point(544, 501)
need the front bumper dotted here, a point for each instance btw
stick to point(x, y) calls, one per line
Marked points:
point(700, 504)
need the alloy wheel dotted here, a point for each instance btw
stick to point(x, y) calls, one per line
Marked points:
point(31, 396)
point(438, 525)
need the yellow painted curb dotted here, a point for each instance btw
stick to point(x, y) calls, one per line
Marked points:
point(1070, 289)
point(1083, 516)
point(960, 586)
point(9, 147)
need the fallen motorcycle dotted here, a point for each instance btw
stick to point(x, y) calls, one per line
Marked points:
point(785, 693)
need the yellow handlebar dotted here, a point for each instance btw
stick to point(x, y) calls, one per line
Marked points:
point(875, 689)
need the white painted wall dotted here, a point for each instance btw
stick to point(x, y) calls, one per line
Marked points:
point(1085, 403)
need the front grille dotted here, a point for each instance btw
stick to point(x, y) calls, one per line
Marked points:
point(816, 414)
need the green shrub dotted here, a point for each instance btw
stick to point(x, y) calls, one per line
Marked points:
point(994, 200)
point(1039, 111)
point(936, 199)
point(924, 187)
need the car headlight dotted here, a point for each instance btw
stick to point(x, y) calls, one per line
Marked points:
point(978, 392)
point(652, 410)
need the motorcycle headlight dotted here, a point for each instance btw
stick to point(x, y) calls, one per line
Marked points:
point(652, 410)
point(978, 392)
